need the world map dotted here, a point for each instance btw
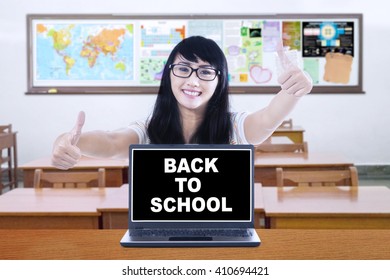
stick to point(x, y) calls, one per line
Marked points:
point(82, 52)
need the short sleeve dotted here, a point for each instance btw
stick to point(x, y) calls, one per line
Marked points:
point(237, 120)
point(140, 128)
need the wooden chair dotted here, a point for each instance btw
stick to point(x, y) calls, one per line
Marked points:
point(64, 179)
point(283, 148)
point(348, 177)
point(8, 157)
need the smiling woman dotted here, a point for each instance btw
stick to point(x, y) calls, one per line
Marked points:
point(192, 106)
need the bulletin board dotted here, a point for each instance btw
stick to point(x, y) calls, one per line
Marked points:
point(110, 54)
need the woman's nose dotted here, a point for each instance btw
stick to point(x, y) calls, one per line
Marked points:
point(193, 80)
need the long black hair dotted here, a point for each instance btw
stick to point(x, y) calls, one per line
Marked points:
point(165, 126)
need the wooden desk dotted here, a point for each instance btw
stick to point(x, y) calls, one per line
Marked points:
point(295, 133)
point(116, 170)
point(266, 164)
point(361, 207)
point(276, 245)
point(114, 210)
point(48, 208)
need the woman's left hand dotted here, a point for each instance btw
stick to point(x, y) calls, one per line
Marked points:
point(292, 79)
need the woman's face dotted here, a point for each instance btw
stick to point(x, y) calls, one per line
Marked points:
point(192, 93)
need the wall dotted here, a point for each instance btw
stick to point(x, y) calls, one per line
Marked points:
point(354, 125)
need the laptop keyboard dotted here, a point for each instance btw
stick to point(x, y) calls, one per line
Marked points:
point(191, 232)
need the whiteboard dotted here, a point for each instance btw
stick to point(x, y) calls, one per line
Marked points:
point(127, 53)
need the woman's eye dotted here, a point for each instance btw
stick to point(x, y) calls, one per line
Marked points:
point(184, 69)
point(206, 72)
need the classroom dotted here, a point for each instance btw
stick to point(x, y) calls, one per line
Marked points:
point(351, 126)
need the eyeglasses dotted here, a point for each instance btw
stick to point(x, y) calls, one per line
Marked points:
point(203, 73)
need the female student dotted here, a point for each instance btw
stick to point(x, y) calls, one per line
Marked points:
point(192, 106)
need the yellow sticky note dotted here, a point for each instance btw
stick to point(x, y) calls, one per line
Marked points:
point(243, 78)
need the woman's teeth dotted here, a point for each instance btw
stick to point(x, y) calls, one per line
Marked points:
point(192, 93)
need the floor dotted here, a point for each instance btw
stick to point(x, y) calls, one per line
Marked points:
point(374, 182)
point(374, 175)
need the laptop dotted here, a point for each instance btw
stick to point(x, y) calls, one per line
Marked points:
point(191, 196)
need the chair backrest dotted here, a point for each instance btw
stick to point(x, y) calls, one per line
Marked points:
point(347, 177)
point(286, 124)
point(71, 179)
point(6, 141)
point(6, 128)
point(283, 148)
point(8, 158)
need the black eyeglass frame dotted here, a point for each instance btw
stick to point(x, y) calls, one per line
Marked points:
point(217, 72)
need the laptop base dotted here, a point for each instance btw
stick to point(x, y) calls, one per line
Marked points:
point(130, 241)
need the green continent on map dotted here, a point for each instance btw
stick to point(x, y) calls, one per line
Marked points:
point(61, 38)
point(120, 66)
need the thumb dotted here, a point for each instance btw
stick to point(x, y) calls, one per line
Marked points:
point(76, 131)
point(284, 61)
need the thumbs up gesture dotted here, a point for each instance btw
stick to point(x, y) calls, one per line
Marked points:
point(292, 79)
point(65, 152)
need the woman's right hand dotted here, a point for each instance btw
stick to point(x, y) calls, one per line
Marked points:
point(65, 152)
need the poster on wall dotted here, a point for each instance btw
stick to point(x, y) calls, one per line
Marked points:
point(127, 54)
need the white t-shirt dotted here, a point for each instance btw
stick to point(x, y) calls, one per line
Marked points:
point(237, 119)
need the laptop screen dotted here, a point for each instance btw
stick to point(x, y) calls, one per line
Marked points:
point(191, 183)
